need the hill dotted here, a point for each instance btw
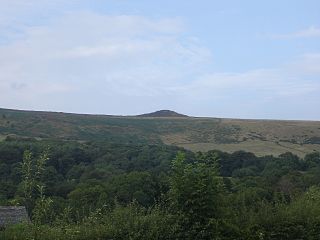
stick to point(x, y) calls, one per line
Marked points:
point(163, 113)
point(261, 137)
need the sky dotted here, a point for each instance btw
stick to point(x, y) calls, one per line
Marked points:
point(233, 59)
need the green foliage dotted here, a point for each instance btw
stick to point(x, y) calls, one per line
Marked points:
point(312, 159)
point(33, 187)
point(29, 179)
point(194, 193)
point(97, 190)
point(261, 137)
point(129, 222)
point(87, 197)
point(42, 212)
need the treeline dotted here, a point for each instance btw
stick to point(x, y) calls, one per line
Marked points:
point(98, 190)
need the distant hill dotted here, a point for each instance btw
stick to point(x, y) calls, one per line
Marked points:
point(261, 137)
point(163, 113)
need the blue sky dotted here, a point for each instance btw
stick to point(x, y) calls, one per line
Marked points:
point(238, 59)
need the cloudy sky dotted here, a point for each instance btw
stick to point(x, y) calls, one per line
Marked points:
point(239, 59)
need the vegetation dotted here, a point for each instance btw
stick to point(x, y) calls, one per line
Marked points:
point(261, 137)
point(99, 190)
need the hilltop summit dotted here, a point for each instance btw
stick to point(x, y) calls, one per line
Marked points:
point(163, 113)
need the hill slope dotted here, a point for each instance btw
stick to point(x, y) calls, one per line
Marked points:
point(163, 113)
point(198, 134)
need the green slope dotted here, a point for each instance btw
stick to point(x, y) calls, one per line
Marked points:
point(198, 134)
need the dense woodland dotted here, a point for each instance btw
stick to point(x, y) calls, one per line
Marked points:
point(98, 190)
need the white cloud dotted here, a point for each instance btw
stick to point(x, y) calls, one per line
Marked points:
point(261, 83)
point(309, 32)
point(308, 63)
point(83, 53)
point(260, 93)
point(15, 15)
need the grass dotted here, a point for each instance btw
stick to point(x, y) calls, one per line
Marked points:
point(197, 134)
point(260, 148)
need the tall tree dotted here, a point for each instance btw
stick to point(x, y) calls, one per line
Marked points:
point(194, 194)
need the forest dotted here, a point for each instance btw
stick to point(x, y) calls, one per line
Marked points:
point(99, 190)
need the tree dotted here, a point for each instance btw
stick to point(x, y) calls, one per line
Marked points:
point(194, 194)
point(33, 187)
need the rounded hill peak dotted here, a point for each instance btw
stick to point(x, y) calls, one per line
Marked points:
point(163, 113)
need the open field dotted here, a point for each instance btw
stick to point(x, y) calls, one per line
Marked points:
point(260, 148)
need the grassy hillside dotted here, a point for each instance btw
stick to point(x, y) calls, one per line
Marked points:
point(198, 134)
